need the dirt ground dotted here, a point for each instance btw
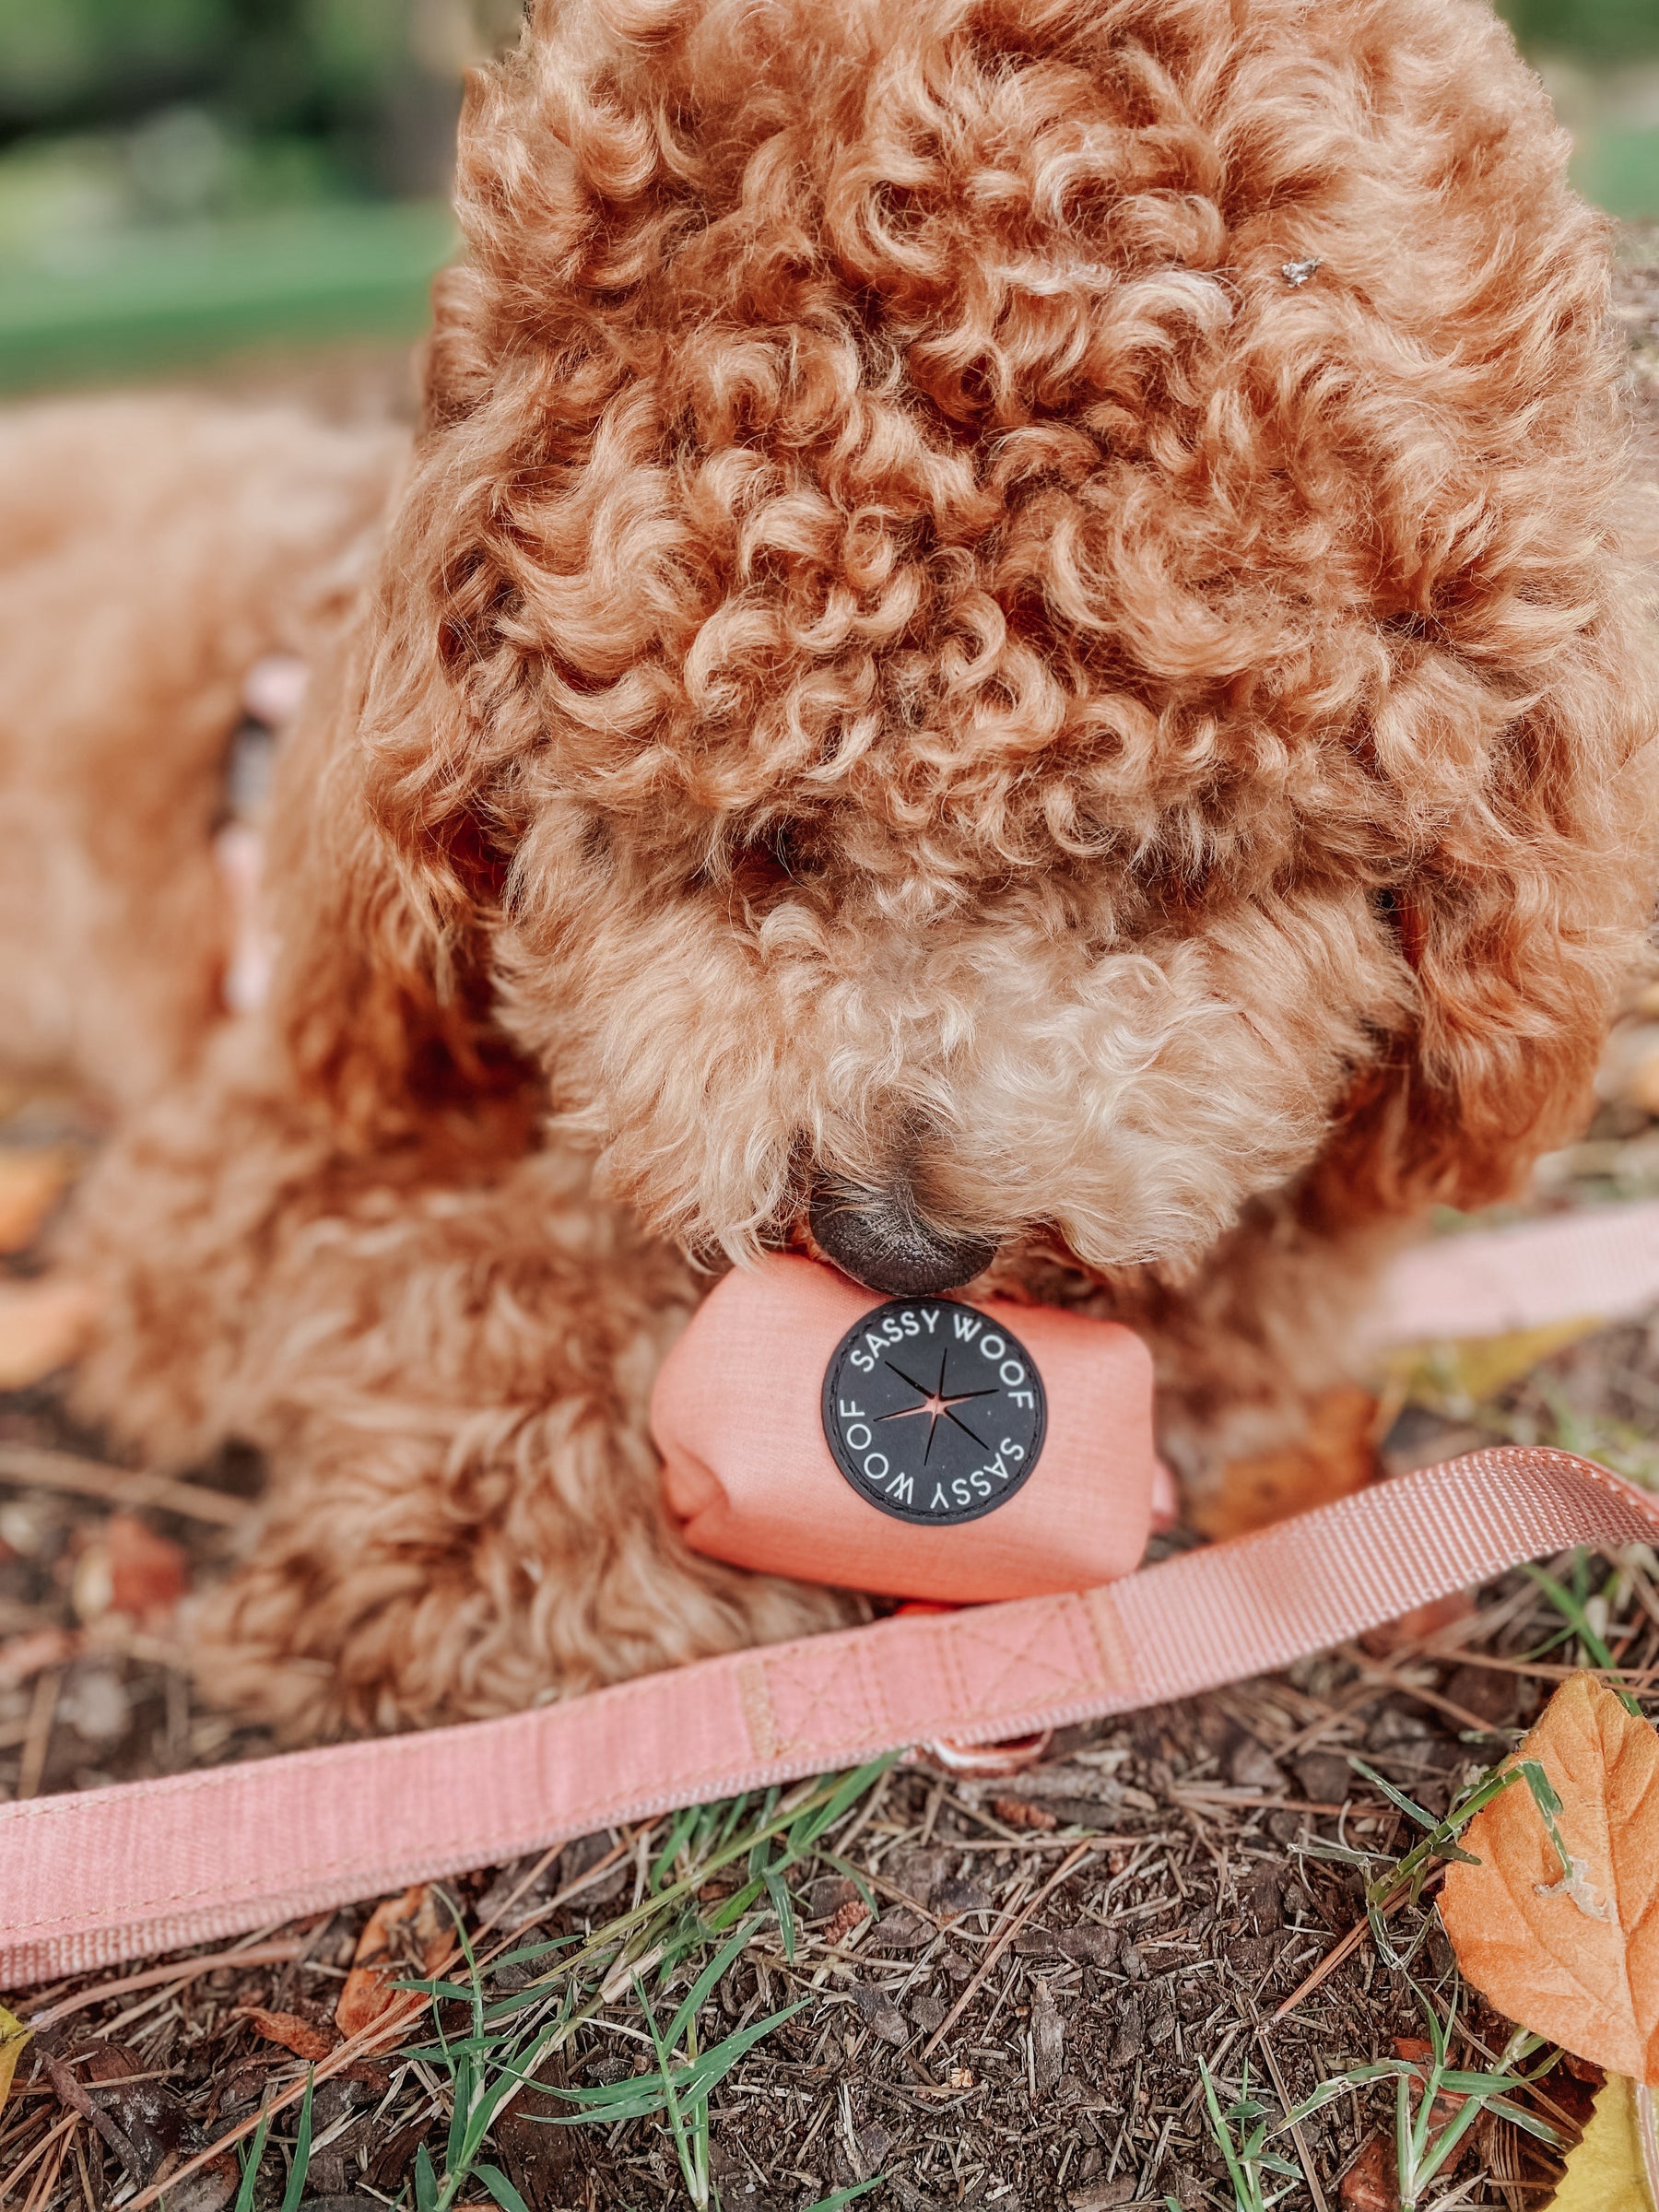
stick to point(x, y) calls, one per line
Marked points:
point(1021, 2021)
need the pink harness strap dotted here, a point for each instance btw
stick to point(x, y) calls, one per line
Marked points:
point(109, 1874)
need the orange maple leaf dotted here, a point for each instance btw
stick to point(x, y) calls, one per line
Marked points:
point(1571, 1952)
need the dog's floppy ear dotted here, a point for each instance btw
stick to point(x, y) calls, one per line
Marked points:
point(391, 841)
point(385, 873)
point(1519, 914)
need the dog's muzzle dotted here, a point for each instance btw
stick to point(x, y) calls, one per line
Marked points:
point(879, 1240)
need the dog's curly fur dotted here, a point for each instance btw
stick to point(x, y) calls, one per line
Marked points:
point(912, 647)
point(152, 551)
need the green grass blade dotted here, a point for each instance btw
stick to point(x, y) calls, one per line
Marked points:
point(717, 2063)
point(815, 1822)
point(851, 1788)
point(1356, 2078)
point(426, 2182)
point(703, 1988)
point(597, 2098)
point(1408, 1805)
point(1412, 1871)
point(461, 2090)
point(847, 2196)
point(302, 2143)
point(483, 2047)
point(777, 1890)
point(604, 2099)
point(1403, 2147)
point(734, 1907)
point(835, 1801)
point(671, 2103)
point(1223, 2137)
point(488, 2102)
point(250, 2173)
point(1530, 2124)
point(1572, 1610)
point(527, 1953)
point(693, 1936)
point(849, 1873)
point(644, 2103)
point(1436, 2153)
point(1550, 1807)
point(678, 1836)
point(501, 2188)
point(728, 1828)
point(474, 1985)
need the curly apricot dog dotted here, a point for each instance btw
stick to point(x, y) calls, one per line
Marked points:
point(1006, 645)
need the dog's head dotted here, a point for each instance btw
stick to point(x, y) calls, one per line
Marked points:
point(1005, 625)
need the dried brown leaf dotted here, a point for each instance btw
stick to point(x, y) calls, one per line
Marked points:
point(303, 2038)
point(1609, 2170)
point(1573, 1953)
point(407, 1937)
point(1371, 2183)
point(14, 2040)
point(127, 1568)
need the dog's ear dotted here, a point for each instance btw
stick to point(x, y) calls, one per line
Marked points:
point(392, 839)
point(384, 875)
point(1519, 912)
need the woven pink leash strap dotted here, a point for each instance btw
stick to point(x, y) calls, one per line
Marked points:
point(104, 1875)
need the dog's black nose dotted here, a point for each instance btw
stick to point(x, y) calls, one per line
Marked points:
point(879, 1240)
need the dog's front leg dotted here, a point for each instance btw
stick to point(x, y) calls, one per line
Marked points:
point(449, 1380)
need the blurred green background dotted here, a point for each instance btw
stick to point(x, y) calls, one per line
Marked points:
point(188, 180)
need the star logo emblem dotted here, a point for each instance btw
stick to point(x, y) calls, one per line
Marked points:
point(937, 1406)
point(934, 1410)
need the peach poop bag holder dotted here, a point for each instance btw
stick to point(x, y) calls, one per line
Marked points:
point(919, 1447)
point(996, 1456)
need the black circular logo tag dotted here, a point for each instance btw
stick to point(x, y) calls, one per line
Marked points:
point(932, 1413)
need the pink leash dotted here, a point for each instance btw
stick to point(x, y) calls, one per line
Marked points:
point(106, 1874)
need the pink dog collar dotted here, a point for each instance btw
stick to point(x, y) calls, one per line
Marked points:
point(922, 1447)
